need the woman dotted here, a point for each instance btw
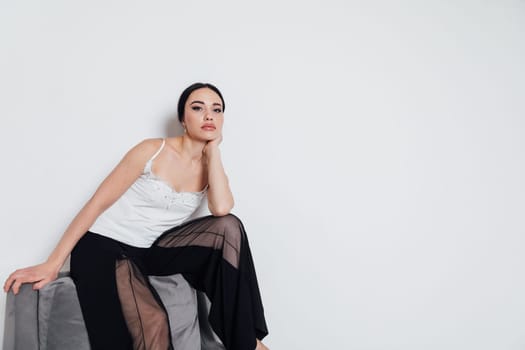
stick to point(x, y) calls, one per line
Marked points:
point(133, 227)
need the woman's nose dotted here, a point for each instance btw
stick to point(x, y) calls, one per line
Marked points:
point(208, 116)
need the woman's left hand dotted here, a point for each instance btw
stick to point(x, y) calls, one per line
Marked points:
point(212, 144)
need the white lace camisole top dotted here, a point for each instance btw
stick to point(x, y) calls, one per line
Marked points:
point(147, 209)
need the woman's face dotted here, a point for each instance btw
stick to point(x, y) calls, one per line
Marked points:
point(203, 116)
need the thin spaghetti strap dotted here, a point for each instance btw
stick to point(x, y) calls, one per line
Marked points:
point(160, 149)
point(147, 167)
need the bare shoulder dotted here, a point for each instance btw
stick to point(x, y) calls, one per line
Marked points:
point(144, 149)
point(147, 146)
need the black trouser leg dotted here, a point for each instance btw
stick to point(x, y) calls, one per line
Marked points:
point(93, 270)
point(213, 254)
point(123, 311)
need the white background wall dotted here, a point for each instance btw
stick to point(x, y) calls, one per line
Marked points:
point(375, 150)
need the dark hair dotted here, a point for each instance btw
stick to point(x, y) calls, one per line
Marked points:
point(186, 93)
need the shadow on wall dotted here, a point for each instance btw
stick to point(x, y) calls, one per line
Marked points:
point(172, 126)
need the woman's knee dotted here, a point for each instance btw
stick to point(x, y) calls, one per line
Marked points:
point(229, 225)
point(231, 229)
point(228, 221)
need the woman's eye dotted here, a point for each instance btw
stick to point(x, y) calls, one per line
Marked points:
point(218, 110)
point(196, 108)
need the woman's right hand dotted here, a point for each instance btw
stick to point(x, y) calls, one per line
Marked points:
point(39, 275)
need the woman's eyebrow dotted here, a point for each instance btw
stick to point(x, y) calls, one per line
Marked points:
point(197, 101)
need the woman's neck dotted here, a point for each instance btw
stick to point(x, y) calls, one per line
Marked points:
point(189, 148)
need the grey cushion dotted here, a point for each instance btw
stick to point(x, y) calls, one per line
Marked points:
point(50, 319)
point(180, 301)
point(60, 322)
point(21, 321)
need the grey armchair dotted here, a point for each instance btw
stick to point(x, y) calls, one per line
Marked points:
point(50, 319)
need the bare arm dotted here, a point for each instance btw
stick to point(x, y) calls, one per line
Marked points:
point(115, 184)
point(220, 197)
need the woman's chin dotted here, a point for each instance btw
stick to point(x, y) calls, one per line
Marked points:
point(203, 138)
point(208, 136)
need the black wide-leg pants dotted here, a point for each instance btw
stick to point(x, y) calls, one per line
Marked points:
point(123, 311)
